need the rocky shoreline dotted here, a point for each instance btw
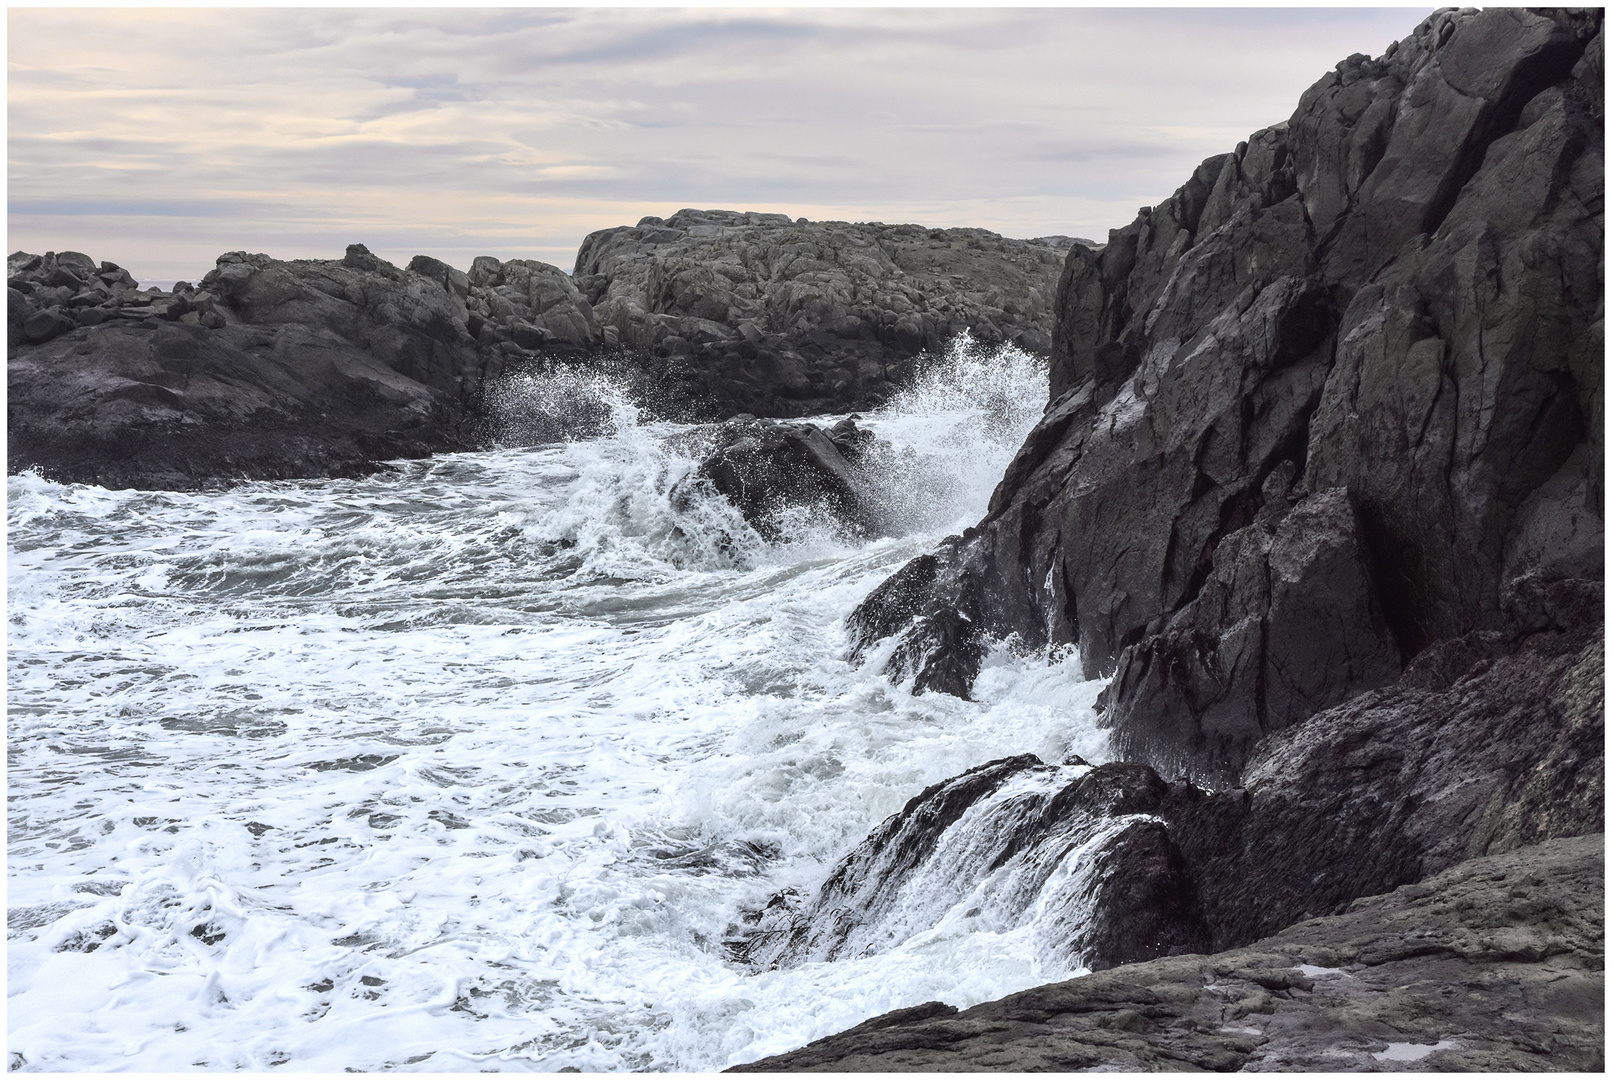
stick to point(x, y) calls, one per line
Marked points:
point(279, 369)
point(1319, 491)
point(1496, 965)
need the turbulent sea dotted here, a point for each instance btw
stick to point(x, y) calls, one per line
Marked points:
point(479, 763)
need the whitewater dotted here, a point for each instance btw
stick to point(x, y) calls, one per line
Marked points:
point(479, 763)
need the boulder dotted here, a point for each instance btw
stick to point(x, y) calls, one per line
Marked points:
point(1011, 841)
point(1395, 294)
point(745, 312)
point(767, 468)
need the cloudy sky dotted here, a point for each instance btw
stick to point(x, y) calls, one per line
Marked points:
point(158, 139)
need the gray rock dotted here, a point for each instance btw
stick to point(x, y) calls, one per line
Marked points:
point(1396, 293)
point(319, 369)
point(766, 468)
point(1288, 623)
point(43, 325)
point(745, 312)
point(1495, 965)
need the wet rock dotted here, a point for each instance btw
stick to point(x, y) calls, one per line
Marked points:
point(1015, 840)
point(768, 469)
point(1495, 965)
point(746, 312)
point(1396, 293)
point(1288, 623)
point(1484, 745)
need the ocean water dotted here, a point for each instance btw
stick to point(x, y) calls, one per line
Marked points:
point(475, 765)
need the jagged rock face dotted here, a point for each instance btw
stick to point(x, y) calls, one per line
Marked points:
point(1286, 625)
point(1497, 965)
point(407, 322)
point(747, 312)
point(530, 303)
point(1483, 746)
point(1065, 848)
point(1397, 293)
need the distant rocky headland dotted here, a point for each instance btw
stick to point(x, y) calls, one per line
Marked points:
point(271, 368)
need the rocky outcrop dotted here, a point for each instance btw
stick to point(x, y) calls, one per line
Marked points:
point(1484, 745)
point(267, 370)
point(1071, 849)
point(769, 470)
point(1335, 401)
point(746, 312)
point(312, 367)
point(1495, 965)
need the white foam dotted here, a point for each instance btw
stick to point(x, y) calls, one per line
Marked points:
point(470, 766)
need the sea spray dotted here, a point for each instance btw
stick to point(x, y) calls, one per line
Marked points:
point(470, 765)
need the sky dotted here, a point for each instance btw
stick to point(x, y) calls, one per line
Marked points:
point(158, 139)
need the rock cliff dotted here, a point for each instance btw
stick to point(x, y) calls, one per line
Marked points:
point(1334, 401)
point(1319, 487)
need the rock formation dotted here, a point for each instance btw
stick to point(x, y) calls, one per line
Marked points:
point(1497, 965)
point(1319, 486)
point(767, 469)
point(294, 368)
point(267, 370)
point(757, 313)
point(1485, 744)
point(1336, 400)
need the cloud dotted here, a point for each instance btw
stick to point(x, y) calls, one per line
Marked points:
point(297, 131)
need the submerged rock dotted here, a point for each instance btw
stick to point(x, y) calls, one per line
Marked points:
point(1495, 965)
point(1395, 296)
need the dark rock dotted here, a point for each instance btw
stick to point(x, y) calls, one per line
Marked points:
point(41, 326)
point(1495, 965)
point(1287, 624)
point(1485, 744)
point(1402, 783)
point(1396, 293)
point(766, 469)
point(996, 837)
point(745, 312)
point(180, 406)
point(531, 303)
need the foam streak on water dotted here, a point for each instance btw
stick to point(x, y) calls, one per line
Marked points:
point(473, 765)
